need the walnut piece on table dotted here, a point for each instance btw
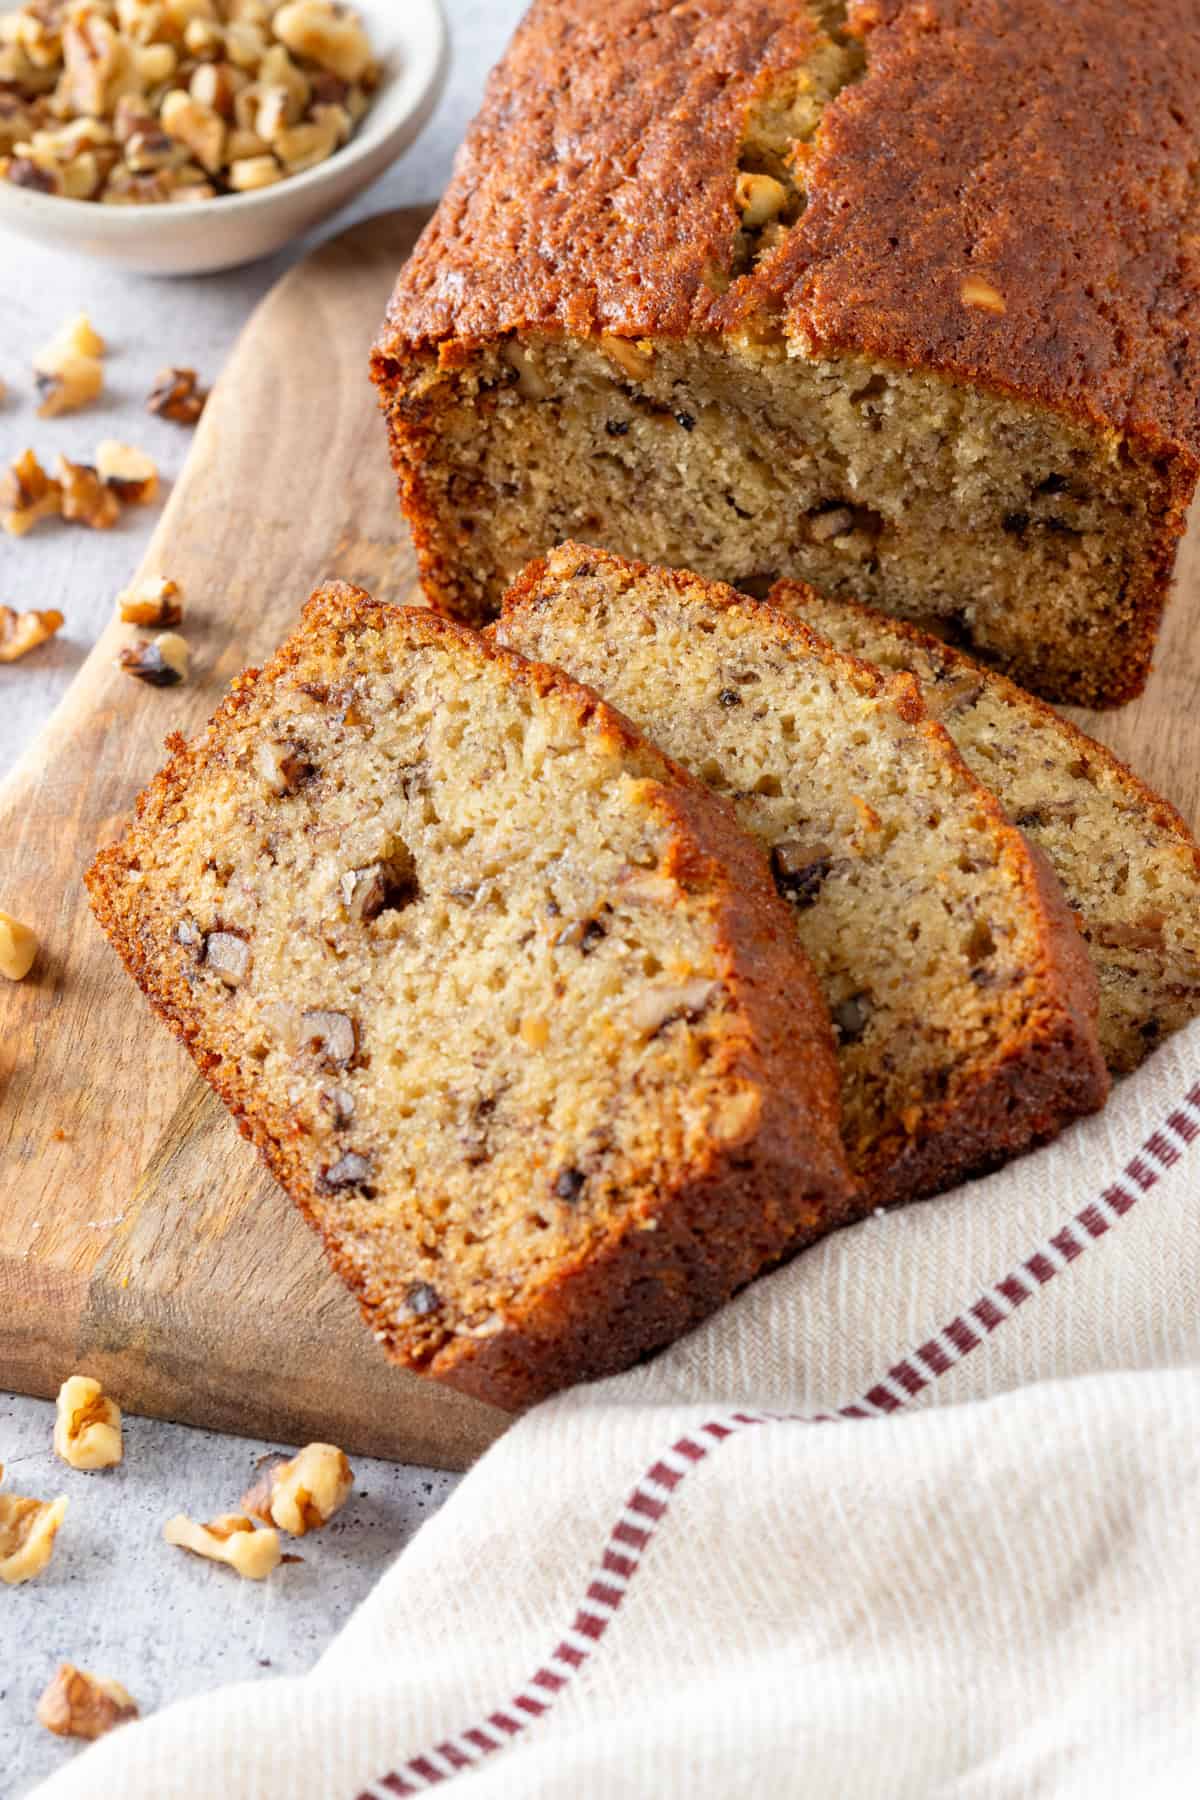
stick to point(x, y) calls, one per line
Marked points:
point(230, 1539)
point(160, 662)
point(75, 337)
point(304, 1494)
point(28, 1529)
point(156, 601)
point(22, 632)
point(27, 494)
point(130, 473)
point(87, 1425)
point(67, 385)
point(76, 1704)
point(177, 395)
point(86, 500)
point(18, 948)
point(67, 371)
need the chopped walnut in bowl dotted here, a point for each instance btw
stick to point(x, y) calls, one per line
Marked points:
point(138, 103)
point(180, 136)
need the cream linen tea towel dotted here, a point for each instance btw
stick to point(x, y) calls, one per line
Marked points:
point(917, 1516)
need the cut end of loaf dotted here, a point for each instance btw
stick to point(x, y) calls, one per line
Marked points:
point(1042, 546)
point(507, 1002)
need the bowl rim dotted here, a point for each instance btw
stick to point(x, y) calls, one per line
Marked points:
point(414, 61)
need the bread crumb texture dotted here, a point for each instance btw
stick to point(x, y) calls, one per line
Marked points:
point(960, 993)
point(508, 1001)
point(1129, 867)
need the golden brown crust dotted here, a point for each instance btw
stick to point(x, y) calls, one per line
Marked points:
point(754, 1198)
point(1047, 149)
point(1046, 1074)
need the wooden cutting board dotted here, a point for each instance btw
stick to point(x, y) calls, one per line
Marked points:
point(139, 1238)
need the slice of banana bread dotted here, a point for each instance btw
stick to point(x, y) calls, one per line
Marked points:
point(893, 296)
point(508, 1002)
point(1128, 865)
point(961, 992)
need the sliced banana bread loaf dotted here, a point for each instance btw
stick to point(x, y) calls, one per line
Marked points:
point(961, 992)
point(1128, 865)
point(508, 1002)
point(894, 296)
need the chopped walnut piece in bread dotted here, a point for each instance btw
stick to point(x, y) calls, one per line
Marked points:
point(230, 1539)
point(77, 1704)
point(87, 1425)
point(977, 292)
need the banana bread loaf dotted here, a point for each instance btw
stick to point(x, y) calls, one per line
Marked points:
point(509, 1003)
point(1128, 865)
point(898, 297)
point(961, 992)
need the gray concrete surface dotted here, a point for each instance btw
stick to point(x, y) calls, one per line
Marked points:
point(116, 1599)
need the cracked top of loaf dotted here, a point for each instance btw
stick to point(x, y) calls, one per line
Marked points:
point(1001, 191)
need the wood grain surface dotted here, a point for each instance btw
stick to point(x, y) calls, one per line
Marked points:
point(139, 1237)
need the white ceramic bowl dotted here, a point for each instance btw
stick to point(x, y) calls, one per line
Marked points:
point(410, 40)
